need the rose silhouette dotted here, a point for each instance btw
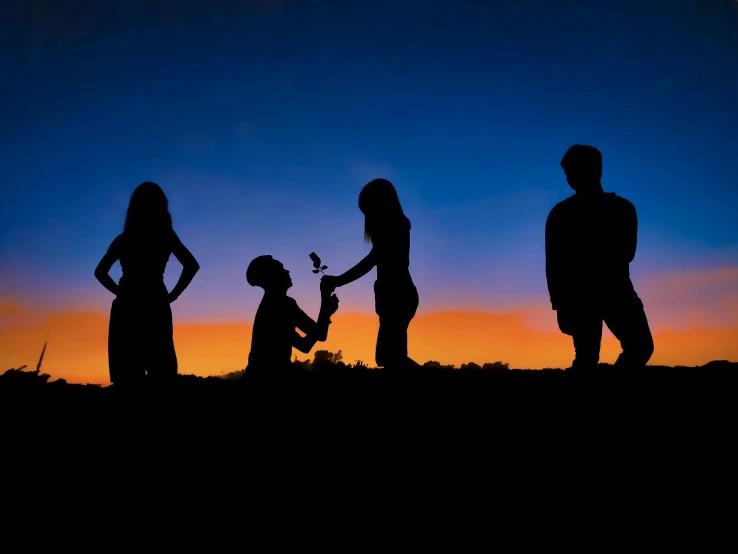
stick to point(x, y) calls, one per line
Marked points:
point(316, 263)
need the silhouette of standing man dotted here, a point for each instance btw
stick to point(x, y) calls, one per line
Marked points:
point(590, 241)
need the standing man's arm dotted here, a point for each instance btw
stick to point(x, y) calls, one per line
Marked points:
point(553, 258)
point(631, 232)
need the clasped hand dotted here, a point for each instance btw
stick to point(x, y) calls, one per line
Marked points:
point(330, 304)
point(328, 285)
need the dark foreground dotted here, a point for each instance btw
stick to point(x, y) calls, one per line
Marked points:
point(617, 446)
point(440, 402)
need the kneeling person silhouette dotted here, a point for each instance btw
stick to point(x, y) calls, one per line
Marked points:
point(277, 318)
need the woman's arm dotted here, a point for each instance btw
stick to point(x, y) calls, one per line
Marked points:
point(190, 267)
point(107, 261)
point(358, 271)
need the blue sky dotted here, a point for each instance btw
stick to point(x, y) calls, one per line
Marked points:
point(263, 120)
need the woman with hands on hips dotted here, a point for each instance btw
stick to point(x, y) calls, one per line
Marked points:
point(140, 334)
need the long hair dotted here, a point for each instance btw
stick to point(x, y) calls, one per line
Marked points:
point(379, 203)
point(148, 214)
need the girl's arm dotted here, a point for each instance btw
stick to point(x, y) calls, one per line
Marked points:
point(358, 271)
point(107, 261)
point(190, 267)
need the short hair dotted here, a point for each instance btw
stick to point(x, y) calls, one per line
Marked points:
point(581, 158)
point(257, 274)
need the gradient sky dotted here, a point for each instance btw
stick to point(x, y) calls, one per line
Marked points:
point(262, 120)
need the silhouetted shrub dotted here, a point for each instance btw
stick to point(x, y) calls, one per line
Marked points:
point(325, 356)
point(496, 366)
point(432, 364)
point(21, 376)
point(233, 375)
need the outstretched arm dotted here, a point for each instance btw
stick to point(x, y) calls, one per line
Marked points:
point(314, 330)
point(358, 271)
point(190, 267)
point(107, 261)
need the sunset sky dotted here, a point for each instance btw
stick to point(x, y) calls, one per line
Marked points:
point(262, 120)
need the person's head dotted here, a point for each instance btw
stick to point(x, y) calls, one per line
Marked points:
point(583, 167)
point(148, 211)
point(269, 274)
point(379, 203)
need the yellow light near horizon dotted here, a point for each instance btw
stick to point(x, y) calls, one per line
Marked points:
point(77, 348)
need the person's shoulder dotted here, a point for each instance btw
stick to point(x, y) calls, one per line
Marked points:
point(279, 302)
point(619, 201)
point(291, 303)
point(564, 205)
point(264, 309)
point(118, 241)
point(291, 308)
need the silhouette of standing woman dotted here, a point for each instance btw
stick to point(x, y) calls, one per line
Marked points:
point(140, 334)
point(396, 298)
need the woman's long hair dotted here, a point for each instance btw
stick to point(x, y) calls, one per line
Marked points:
point(379, 203)
point(148, 216)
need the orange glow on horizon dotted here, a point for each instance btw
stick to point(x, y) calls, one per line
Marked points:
point(77, 348)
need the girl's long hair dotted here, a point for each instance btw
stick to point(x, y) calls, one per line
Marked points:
point(148, 216)
point(382, 211)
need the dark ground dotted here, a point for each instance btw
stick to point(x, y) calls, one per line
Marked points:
point(621, 450)
point(436, 402)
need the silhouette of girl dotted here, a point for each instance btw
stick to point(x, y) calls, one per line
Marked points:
point(140, 332)
point(396, 298)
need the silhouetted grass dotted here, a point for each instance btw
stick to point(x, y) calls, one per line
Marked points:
point(340, 423)
point(470, 379)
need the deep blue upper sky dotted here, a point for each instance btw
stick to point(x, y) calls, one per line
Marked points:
point(262, 120)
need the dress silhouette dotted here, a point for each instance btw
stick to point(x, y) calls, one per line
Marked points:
point(395, 295)
point(590, 241)
point(140, 340)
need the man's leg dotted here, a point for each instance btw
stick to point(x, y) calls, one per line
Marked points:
point(627, 321)
point(585, 327)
